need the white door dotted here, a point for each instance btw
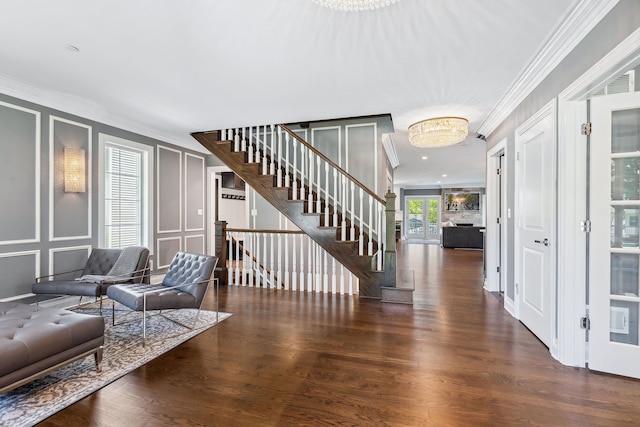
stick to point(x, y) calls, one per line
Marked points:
point(535, 210)
point(432, 219)
point(614, 245)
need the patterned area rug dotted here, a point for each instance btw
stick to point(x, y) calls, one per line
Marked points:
point(123, 352)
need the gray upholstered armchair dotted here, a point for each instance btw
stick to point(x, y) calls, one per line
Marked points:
point(184, 286)
point(103, 268)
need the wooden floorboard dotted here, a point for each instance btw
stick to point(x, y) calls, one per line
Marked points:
point(285, 359)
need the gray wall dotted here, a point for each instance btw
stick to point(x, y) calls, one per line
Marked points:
point(623, 19)
point(44, 230)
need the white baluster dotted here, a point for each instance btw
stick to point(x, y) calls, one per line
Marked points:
point(350, 283)
point(243, 144)
point(237, 264)
point(311, 165)
point(335, 198)
point(279, 158)
point(371, 220)
point(294, 264)
point(352, 205)
point(294, 192)
point(279, 251)
point(229, 258)
point(318, 187)
point(264, 150)
point(381, 238)
point(250, 245)
point(250, 142)
point(287, 178)
point(286, 262)
point(334, 283)
point(325, 276)
point(303, 161)
point(326, 195)
point(302, 261)
point(223, 135)
point(343, 206)
point(272, 267)
point(272, 167)
point(244, 264)
point(341, 279)
point(309, 265)
point(236, 140)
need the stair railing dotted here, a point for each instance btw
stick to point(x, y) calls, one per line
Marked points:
point(284, 259)
point(340, 199)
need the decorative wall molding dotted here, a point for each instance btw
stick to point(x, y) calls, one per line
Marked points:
point(374, 148)
point(36, 165)
point(36, 269)
point(54, 251)
point(574, 26)
point(159, 242)
point(326, 128)
point(158, 190)
point(186, 193)
point(201, 250)
point(52, 170)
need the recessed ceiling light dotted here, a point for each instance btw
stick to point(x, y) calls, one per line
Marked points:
point(438, 182)
point(424, 157)
point(444, 175)
point(72, 48)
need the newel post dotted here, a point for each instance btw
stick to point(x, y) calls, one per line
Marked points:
point(390, 241)
point(221, 251)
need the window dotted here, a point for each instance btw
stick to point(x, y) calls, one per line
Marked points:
point(125, 198)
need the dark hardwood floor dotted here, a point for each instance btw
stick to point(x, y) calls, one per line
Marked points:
point(286, 359)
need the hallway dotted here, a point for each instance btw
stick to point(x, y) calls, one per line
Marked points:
point(283, 359)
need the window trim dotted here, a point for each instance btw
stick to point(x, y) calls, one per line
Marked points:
point(147, 220)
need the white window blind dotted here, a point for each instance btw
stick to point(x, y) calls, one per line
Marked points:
point(123, 197)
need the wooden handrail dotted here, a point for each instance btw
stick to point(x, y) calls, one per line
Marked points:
point(251, 230)
point(328, 160)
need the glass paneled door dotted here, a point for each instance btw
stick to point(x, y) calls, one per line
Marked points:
point(423, 217)
point(614, 254)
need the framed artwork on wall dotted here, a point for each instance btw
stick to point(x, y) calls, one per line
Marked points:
point(459, 202)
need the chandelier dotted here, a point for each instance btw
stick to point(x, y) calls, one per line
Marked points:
point(354, 5)
point(438, 132)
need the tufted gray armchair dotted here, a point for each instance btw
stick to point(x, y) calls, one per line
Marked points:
point(184, 286)
point(103, 268)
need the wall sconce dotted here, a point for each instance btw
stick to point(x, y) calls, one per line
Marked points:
point(74, 170)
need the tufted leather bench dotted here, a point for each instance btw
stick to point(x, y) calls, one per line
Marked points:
point(36, 340)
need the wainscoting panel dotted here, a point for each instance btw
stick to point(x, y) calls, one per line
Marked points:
point(194, 244)
point(20, 175)
point(69, 213)
point(19, 271)
point(167, 248)
point(68, 259)
point(362, 138)
point(169, 189)
point(328, 140)
point(194, 192)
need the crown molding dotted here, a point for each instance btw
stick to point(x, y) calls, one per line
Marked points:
point(390, 148)
point(575, 25)
point(88, 110)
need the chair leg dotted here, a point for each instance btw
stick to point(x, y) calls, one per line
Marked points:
point(101, 306)
point(98, 358)
point(37, 302)
point(144, 320)
point(113, 313)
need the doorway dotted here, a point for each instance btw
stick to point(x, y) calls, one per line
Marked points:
point(614, 241)
point(423, 218)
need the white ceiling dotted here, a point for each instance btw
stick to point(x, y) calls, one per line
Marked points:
point(166, 68)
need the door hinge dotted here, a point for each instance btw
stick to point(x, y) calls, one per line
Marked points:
point(518, 155)
point(499, 171)
point(585, 323)
point(498, 220)
point(585, 129)
point(585, 226)
point(517, 290)
point(498, 269)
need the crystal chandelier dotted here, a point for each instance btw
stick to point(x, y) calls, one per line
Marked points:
point(438, 132)
point(354, 5)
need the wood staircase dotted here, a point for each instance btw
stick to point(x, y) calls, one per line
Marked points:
point(314, 215)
